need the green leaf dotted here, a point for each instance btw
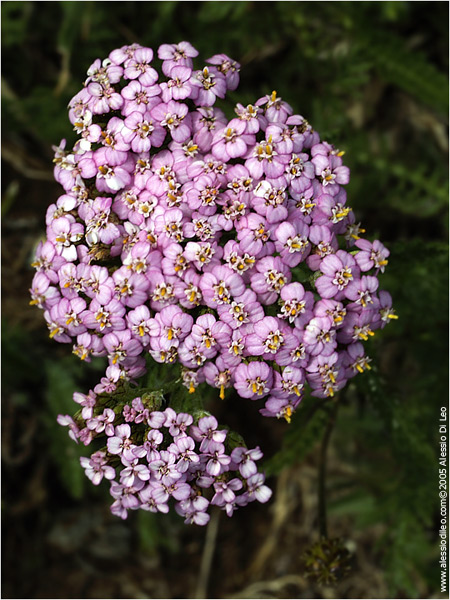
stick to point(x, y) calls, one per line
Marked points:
point(157, 531)
point(407, 69)
point(61, 384)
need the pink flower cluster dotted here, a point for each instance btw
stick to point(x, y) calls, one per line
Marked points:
point(184, 235)
point(175, 460)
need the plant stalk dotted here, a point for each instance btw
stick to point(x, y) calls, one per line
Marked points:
point(322, 503)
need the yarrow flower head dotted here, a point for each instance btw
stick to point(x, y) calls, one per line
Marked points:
point(181, 238)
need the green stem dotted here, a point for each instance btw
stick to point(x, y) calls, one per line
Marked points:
point(323, 529)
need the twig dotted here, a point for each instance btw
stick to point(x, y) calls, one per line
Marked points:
point(323, 529)
point(207, 556)
point(267, 589)
point(64, 74)
point(16, 160)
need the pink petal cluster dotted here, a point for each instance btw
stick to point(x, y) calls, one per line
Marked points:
point(176, 461)
point(182, 234)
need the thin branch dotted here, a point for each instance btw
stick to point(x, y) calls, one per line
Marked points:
point(18, 162)
point(267, 589)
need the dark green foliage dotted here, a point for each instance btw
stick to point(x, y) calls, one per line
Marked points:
point(407, 69)
point(302, 435)
point(371, 77)
point(62, 379)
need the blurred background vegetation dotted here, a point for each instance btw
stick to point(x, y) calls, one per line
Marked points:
point(372, 78)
